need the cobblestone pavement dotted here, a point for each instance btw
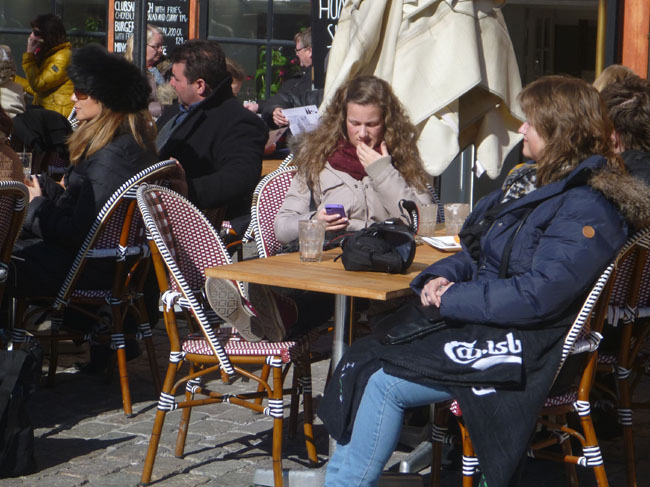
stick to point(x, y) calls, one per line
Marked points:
point(84, 439)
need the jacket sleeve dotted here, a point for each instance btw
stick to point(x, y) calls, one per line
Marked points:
point(391, 187)
point(239, 163)
point(53, 74)
point(566, 262)
point(456, 268)
point(65, 219)
point(294, 208)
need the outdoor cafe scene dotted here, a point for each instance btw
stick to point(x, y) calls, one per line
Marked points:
point(334, 243)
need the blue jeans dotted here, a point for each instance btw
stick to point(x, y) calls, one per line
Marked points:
point(377, 428)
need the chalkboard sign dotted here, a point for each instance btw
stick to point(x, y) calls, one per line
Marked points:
point(324, 18)
point(172, 16)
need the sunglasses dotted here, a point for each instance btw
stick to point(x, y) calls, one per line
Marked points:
point(79, 95)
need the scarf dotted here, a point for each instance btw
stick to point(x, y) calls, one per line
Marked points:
point(345, 159)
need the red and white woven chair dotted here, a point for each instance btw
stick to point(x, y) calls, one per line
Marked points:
point(117, 235)
point(628, 328)
point(183, 245)
point(249, 234)
point(14, 201)
point(583, 336)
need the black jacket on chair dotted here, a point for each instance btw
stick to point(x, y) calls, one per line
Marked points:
point(57, 222)
point(220, 145)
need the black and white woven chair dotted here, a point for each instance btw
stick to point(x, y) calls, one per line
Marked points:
point(626, 337)
point(183, 245)
point(14, 201)
point(583, 336)
point(117, 235)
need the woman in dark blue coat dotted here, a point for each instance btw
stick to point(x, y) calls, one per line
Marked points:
point(565, 219)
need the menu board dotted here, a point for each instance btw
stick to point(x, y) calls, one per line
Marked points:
point(324, 19)
point(172, 16)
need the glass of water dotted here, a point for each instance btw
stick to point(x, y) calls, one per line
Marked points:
point(26, 161)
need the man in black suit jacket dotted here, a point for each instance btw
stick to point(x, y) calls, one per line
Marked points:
point(218, 142)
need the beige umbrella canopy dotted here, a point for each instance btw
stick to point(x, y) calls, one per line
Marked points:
point(452, 64)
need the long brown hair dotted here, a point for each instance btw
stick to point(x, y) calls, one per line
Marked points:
point(94, 134)
point(314, 148)
point(52, 32)
point(570, 116)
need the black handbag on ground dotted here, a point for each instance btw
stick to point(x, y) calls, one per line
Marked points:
point(406, 323)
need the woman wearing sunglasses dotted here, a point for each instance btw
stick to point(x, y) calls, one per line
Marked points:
point(45, 64)
point(114, 141)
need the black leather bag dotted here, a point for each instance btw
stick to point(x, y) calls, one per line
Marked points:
point(382, 247)
point(406, 323)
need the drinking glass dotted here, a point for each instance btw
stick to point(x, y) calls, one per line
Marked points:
point(455, 216)
point(26, 161)
point(428, 215)
point(311, 234)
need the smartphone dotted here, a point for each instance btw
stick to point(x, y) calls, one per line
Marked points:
point(335, 210)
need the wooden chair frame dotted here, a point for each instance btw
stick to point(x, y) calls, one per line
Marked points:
point(117, 234)
point(628, 309)
point(14, 201)
point(583, 337)
point(218, 351)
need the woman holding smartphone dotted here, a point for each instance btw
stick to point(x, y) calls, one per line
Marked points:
point(363, 156)
point(45, 64)
point(353, 170)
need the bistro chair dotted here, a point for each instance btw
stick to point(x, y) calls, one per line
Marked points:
point(583, 337)
point(183, 245)
point(117, 235)
point(627, 328)
point(14, 201)
point(249, 234)
point(270, 193)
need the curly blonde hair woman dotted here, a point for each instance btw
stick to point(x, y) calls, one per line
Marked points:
point(363, 155)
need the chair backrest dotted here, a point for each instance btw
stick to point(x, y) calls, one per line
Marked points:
point(630, 298)
point(271, 192)
point(586, 331)
point(14, 201)
point(188, 244)
point(115, 233)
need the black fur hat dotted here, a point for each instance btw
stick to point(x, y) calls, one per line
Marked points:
point(109, 78)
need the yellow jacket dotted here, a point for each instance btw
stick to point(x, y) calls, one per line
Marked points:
point(49, 82)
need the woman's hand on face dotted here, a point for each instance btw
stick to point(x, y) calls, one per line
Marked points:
point(33, 42)
point(332, 222)
point(433, 291)
point(367, 155)
point(34, 187)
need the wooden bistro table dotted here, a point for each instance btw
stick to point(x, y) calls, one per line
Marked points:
point(327, 276)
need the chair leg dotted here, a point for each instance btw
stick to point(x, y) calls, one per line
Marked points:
point(179, 452)
point(439, 432)
point(145, 330)
point(158, 423)
point(296, 385)
point(567, 450)
point(277, 428)
point(308, 413)
point(264, 376)
point(591, 450)
point(470, 462)
point(625, 419)
point(119, 342)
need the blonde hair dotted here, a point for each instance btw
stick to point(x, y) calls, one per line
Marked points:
point(151, 30)
point(314, 148)
point(612, 74)
point(94, 134)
